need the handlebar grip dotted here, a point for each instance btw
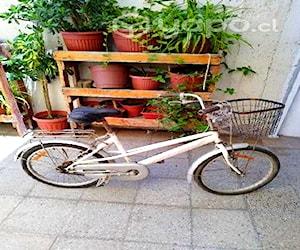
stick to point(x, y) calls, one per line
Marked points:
point(209, 109)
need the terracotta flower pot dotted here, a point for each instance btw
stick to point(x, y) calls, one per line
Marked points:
point(191, 83)
point(113, 76)
point(2, 111)
point(124, 43)
point(84, 41)
point(133, 107)
point(59, 122)
point(199, 48)
point(144, 82)
point(151, 113)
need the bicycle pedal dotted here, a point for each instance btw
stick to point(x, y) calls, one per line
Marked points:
point(103, 182)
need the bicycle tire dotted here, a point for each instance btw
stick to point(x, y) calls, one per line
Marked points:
point(256, 160)
point(39, 159)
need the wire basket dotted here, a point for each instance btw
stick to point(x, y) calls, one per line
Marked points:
point(253, 118)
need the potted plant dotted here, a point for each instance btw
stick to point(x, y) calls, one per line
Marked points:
point(4, 107)
point(133, 107)
point(110, 75)
point(81, 22)
point(147, 79)
point(188, 78)
point(29, 50)
point(131, 30)
point(151, 112)
point(179, 118)
point(191, 27)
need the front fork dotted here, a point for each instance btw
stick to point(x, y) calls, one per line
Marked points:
point(226, 158)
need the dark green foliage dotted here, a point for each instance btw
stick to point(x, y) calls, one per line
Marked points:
point(65, 15)
point(182, 119)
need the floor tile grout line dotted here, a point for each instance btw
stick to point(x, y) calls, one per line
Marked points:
point(248, 209)
point(18, 204)
point(191, 216)
point(133, 204)
point(70, 217)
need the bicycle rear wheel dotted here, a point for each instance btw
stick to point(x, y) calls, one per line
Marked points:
point(46, 163)
point(258, 165)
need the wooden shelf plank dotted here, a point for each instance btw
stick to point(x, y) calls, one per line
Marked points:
point(6, 118)
point(122, 93)
point(138, 122)
point(178, 58)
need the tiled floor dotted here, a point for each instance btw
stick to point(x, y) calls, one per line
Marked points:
point(161, 212)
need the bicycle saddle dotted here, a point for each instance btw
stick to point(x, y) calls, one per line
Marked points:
point(89, 114)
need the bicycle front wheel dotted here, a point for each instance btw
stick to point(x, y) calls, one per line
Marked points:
point(46, 163)
point(258, 166)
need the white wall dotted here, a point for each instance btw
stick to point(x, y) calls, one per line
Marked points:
point(271, 56)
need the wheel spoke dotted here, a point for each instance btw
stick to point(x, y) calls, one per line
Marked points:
point(46, 162)
point(258, 166)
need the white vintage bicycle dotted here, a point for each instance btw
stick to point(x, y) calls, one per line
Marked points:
point(229, 169)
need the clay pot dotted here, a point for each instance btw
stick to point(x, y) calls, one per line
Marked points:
point(2, 111)
point(124, 43)
point(133, 107)
point(191, 83)
point(143, 82)
point(84, 41)
point(113, 76)
point(59, 122)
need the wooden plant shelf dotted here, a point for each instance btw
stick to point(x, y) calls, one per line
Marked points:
point(121, 93)
point(6, 118)
point(68, 61)
point(138, 122)
point(178, 58)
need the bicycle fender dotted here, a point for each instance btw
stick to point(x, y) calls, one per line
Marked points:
point(206, 156)
point(29, 146)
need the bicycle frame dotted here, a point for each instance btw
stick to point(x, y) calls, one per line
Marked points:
point(195, 141)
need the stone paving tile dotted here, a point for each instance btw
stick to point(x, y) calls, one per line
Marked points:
point(47, 191)
point(278, 199)
point(43, 216)
point(161, 191)
point(204, 199)
point(152, 246)
point(69, 243)
point(160, 224)
point(133, 138)
point(159, 136)
point(277, 231)
point(175, 168)
point(153, 213)
point(98, 219)
point(198, 152)
point(15, 182)
point(216, 228)
point(282, 142)
point(8, 204)
point(17, 241)
point(114, 191)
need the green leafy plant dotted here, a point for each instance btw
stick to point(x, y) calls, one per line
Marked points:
point(158, 74)
point(29, 58)
point(177, 117)
point(136, 24)
point(19, 96)
point(193, 27)
point(245, 70)
point(64, 15)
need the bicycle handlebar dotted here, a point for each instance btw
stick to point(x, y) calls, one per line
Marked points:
point(209, 109)
point(183, 98)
